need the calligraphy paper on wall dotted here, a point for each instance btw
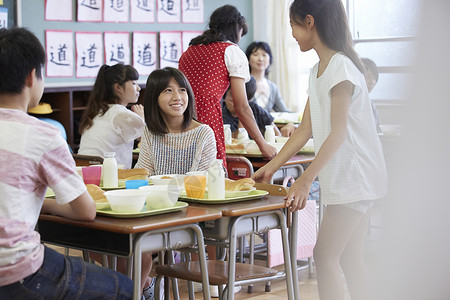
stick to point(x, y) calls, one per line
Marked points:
point(142, 11)
point(170, 48)
point(192, 11)
point(117, 48)
point(168, 11)
point(59, 49)
point(188, 36)
point(144, 52)
point(89, 50)
point(90, 10)
point(116, 11)
point(58, 10)
point(3, 17)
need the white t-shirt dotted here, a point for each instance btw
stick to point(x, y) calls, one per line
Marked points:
point(115, 131)
point(357, 171)
point(33, 155)
point(236, 62)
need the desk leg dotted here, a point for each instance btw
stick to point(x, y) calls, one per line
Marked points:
point(287, 256)
point(137, 262)
point(202, 256)
point(286, 253)
point(293, 240)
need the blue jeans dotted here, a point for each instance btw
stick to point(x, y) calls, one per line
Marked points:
point(68, 277)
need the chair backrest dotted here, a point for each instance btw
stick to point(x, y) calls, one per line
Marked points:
point(239, 167)
point(87, 160)
point(273, 189)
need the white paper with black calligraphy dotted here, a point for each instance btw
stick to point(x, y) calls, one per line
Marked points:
point(170, 48)
point(90, 10)
point(192, 11)
point(169, 11)
point(89, 47)
point(60, 53)
point(144, 52)
point(117, 48)
point(143, 11)
point(116, 11)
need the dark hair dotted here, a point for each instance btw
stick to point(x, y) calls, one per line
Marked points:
point(371, 67)
point(225, 24)
point(255, 46)
point(20, 53)
point(103, 94)
point(331, 24)
point(157, 82)
point(250, 88)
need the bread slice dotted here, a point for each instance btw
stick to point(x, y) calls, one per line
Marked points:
point(96, 193)
point(243, 184)
point(134, 173)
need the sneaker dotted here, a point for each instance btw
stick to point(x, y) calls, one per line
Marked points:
point(214, 290)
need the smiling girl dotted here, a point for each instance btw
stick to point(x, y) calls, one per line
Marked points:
point(349, 158)
point(107, 125)
point(173, 141)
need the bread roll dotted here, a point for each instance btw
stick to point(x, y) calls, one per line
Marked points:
point(244, 184)
point(127, 173)
point(96, 193)
point(237, 147)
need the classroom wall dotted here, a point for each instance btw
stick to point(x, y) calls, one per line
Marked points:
point(32, 14)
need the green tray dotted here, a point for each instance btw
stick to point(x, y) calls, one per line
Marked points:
point(253, 195)
point(143, 213)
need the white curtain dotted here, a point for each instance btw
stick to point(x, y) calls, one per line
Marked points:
point(290, 67)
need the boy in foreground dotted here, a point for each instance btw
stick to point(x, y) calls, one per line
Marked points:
point(33, 155)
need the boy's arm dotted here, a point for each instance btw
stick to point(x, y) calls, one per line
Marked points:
point(81, 208)
point(245, 115)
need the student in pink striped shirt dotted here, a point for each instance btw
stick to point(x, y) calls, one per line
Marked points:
point(33, 156)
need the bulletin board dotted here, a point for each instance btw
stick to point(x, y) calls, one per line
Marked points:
point(32, 14)
point(10, 6)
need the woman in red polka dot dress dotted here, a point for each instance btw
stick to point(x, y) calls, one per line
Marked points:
point(212, 62)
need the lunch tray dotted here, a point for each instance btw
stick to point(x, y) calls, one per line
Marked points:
point(143, 213)
point(253, 195)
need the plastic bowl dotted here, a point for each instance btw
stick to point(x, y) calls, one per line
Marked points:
point(126, 201)
point(172, 179)
point(161, 196)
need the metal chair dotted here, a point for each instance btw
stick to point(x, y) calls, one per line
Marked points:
point(241, 274)
point(87, 160)
point(239, 167)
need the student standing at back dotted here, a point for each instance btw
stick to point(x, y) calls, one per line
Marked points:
point(212, 62)
point(107, 125)
point(33, 155)
point(349, 159)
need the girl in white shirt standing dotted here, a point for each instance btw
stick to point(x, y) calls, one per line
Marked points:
point(107, 125)
point(349, 159)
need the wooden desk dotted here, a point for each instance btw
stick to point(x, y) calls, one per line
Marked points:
point(247, 217)
point(130, 237)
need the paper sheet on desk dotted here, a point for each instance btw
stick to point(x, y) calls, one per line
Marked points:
point(286, 117)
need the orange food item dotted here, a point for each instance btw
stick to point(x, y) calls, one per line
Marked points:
point(166, 177)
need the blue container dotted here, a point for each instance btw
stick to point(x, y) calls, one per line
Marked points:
point(135, 184)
